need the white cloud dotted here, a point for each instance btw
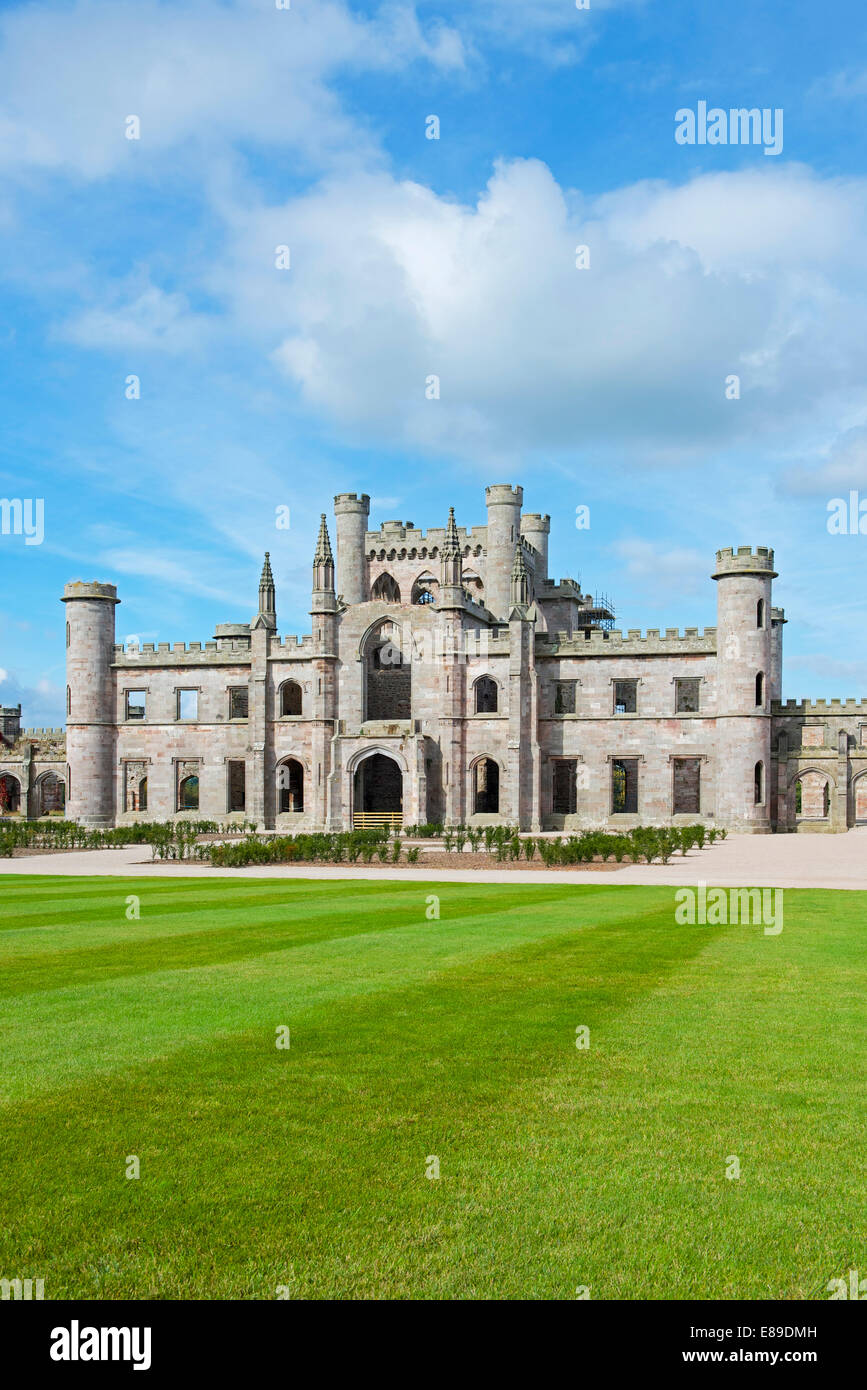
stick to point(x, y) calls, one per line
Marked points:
point(150, 320)
point(658, 571)
point(834, 472)
point(392, 284)
point(195, 74)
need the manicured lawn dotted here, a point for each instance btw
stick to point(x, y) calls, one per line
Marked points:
point(410, 1038)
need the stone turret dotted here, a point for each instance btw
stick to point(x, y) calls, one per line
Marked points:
point(504, 529)
point(91, 710)
point(352, 513)
point(744, 685)
point(535, 529)
point(267, 614)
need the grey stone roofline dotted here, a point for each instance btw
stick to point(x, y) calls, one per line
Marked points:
point(613, 643)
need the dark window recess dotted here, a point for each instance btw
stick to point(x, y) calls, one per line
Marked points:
point(564, 697)
point(626, 697)
point(686, 795)
point(686, 695)
point(565, 787)
point(290, 698)
point(238, 784)
point(624, 786)
point(486, 695)
point(389, 683)
point(486, 787)
point(239, 705)
point(759, 784)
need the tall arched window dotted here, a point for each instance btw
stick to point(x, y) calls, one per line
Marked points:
point(760, 613)
point(759, 784)
point(188, 794)
point(386, 588)
point(486, 695)
point(760, 689)
point(290, 698)
point(68, 700)
point(486, 787)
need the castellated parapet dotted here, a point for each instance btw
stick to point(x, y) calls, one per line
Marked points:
point(447, 678)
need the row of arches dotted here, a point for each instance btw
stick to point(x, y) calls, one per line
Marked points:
point(416, 553)
point(50, 794)
point(424, 589)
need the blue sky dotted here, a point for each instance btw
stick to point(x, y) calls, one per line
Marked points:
point(263, 388)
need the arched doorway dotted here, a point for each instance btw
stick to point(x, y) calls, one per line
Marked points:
point(10, 795)
point(377, 793)
point(859, 794)
point(52, 794)
point(290, 787)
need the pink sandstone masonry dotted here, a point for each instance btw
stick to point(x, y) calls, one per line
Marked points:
point(446, 677)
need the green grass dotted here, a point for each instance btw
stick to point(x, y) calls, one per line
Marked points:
point(456, 1038)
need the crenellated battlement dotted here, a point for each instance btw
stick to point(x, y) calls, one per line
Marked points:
point(592, 641)
point(743, 559)
point(848, 706)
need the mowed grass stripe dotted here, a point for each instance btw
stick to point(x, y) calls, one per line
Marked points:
point(347, 1111)
point(45, 1045)
point(558, 1168)
point(218, 932)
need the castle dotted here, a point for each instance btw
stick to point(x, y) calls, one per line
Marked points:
point(447, 678)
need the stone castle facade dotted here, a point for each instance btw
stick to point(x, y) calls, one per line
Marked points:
point(447, 678)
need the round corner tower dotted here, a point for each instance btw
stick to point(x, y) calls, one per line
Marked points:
point(745, 681)
point(504, 528)
point(90, 702)
point(351, 513)
point(536, 529)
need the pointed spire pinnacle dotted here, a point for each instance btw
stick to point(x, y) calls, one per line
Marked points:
point(323, 544)
point(451, 545)
point(520, 585)
point(267, 615)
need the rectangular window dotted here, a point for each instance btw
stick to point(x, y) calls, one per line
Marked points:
point(239, 701)
point(564, 697)
point(686, 695)
point(188, 704)
point(626, 697)
point(136, 704)
point(686, 787)
point(565, 787)
point(624, 787)
point(813, 736)
point(237, 786)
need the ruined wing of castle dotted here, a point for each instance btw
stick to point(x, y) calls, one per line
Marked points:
point(447, 678)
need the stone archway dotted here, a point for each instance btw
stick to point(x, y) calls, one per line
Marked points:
point(859, 799)
point(377, 791)
point(10, 794)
